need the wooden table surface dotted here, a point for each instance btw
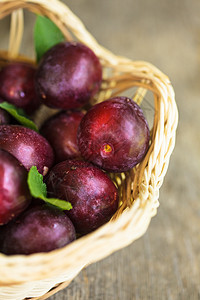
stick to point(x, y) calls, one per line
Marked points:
point(164, 263)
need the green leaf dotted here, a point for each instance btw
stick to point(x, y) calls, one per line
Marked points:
point(38, 189)
point(46, 35)
point(62, 204)
point(19, 115)
point(36, 185)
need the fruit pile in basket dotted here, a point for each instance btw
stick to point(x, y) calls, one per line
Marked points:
point(54, 181)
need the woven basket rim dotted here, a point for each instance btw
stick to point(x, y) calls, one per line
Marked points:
point(144, 208)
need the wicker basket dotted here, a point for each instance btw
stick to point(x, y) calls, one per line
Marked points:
point(38, 276)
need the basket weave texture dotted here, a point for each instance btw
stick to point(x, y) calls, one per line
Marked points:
point(34, 275)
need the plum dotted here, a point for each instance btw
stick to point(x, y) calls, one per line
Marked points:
point(93, 195)
point(14, 191)
point(68, 76)
point(17, 86)
point(61, 132)
point(28, 146)
point(4, 117)
point(41, 228)
point(114, 134)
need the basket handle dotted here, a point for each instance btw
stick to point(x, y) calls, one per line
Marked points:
point(16, 32)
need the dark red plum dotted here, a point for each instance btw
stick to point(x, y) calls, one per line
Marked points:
point(114, 135)
point(4, 117)
point(61, 132)
point(93, 195)
point(17, 86)
point(68, 76)
point(38, 229)
point(14, 191)
point(28, 146)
